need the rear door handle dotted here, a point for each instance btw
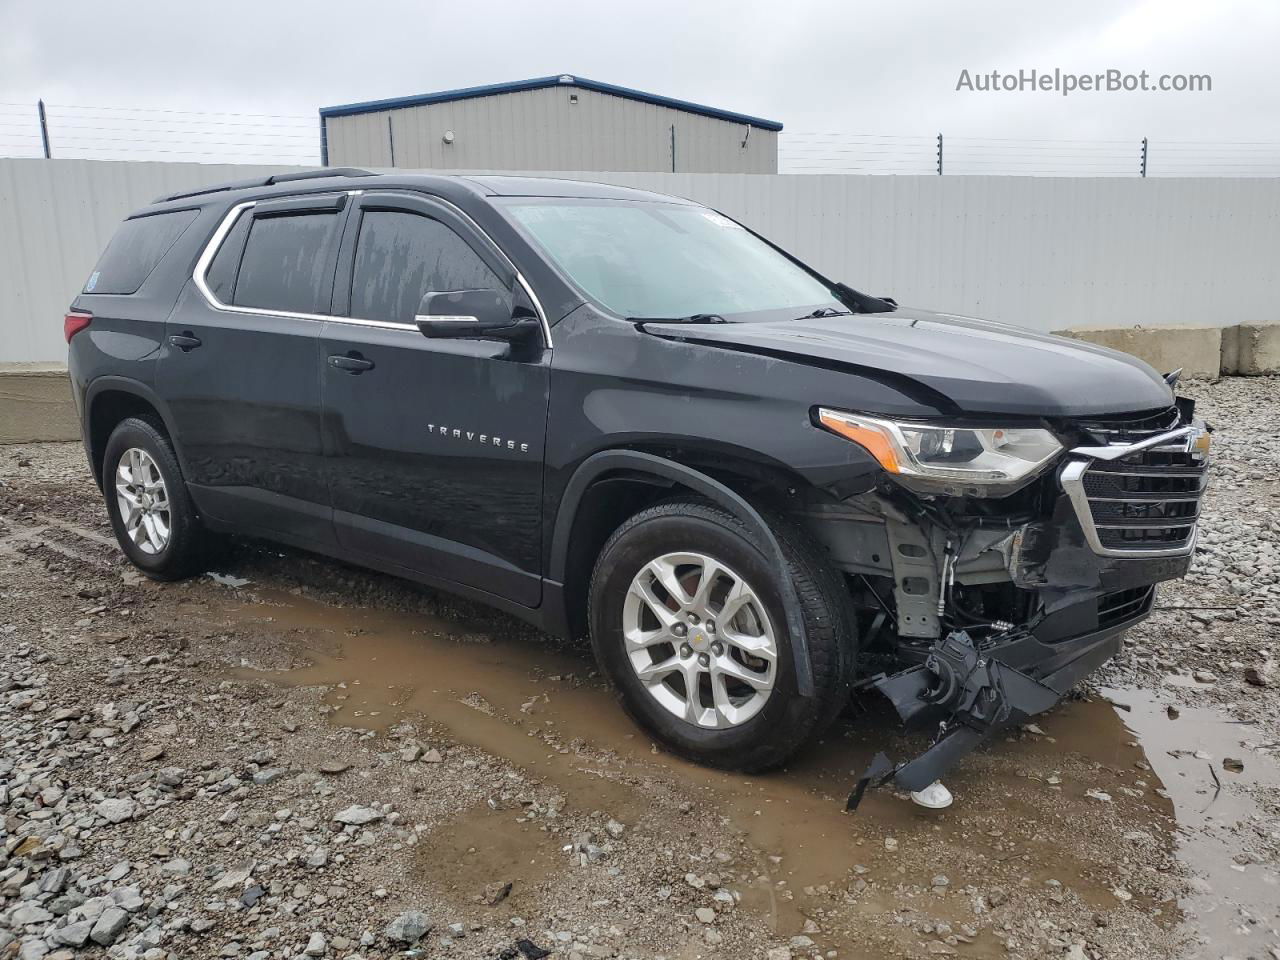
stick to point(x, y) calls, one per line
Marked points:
point(185, 342)
point(351, 364)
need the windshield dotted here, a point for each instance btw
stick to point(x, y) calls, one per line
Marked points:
point(654, 259)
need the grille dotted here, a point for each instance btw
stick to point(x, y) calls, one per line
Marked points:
point(1146, 503)
point(1116, 608)
point(1122, 430)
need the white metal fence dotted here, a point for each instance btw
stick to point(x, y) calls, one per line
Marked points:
point(1046, 253)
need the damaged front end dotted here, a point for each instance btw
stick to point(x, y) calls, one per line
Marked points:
point(981, 608)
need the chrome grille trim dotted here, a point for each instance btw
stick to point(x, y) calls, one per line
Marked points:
point(1103, 531)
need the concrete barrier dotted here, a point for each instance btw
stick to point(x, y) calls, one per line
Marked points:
point(1197, 351)
point(1251, 350)
point(36, 404)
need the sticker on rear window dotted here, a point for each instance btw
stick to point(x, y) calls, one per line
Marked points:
point(93, 281)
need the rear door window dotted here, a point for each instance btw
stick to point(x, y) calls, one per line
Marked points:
point(288, 263)
point(134, 251)
point(401, 256)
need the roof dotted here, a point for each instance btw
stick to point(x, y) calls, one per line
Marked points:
point(350, 177)
point(500, 186)
point(538, 83)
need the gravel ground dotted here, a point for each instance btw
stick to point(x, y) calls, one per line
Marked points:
point(301, 759)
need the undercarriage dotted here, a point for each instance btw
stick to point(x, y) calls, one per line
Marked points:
point(977, 612)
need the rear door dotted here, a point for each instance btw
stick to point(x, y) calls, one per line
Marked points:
point(240, 367)
point(435, 445)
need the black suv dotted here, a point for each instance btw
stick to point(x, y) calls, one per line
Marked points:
point(624, 415)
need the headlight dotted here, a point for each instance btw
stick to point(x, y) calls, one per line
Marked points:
point(976, 455)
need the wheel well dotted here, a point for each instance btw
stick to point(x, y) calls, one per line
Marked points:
point(604, 507)
point(612, 499)
point(109, 408)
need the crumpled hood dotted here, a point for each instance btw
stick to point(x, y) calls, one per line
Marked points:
point(979, 366)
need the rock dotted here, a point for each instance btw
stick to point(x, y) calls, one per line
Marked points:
point(890, 844)
point(1204, 676)
point(1121, 894)
point(1260, 675)
point(74, 934)
point(29, 913)
point(432, 756)
point(357, 816)
point(334, 767)
point(411, 753)
point(705, 915)
point(109, 926)
point(269, 775)
point(152, 753)
point(1233, 765)
point(116, 810)
point(410, 927)
point(316, 946)
point(778, 953)
point(234, 879)
point(1097, 794)
point(615, 829)
point(801, 942)
point(318, 858)
point(177, 867)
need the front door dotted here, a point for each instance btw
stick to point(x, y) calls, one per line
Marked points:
point(240, 367)
point(434, 446)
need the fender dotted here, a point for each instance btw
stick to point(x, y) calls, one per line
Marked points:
point(608, 461)
point(140, 390)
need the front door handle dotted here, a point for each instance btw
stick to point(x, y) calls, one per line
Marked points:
point(352, 364)
point(185, 342)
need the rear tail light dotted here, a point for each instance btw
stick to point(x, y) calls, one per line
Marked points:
point(74, 322)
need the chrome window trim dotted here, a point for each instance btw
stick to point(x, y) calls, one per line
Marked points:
point(205, 261)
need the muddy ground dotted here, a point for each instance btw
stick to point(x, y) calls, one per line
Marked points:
point(299, 758)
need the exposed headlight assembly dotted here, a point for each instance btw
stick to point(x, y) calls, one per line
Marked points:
point(946, 456)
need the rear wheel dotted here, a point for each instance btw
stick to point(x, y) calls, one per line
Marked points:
point(151, 512)
point(687, 621)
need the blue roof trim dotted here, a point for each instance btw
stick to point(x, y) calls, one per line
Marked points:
point(538, 83)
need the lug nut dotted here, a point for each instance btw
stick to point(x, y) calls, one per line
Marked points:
point(693, 618)
point(710, 626)
point(703, 660)
point(679, 629)
point(717, 648)
point(686, 651)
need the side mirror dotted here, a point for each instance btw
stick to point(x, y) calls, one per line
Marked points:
point(468, 314)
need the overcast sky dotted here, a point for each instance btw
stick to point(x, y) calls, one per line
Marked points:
point(830, 67)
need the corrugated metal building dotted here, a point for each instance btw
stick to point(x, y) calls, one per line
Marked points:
point(548, 123)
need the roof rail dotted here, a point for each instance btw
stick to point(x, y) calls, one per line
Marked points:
point(268, 181)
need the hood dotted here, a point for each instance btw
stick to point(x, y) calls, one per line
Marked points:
point(969, 365)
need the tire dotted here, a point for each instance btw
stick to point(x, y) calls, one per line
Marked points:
point(784, 722)
point(139, 448)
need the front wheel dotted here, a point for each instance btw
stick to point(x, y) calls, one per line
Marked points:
point(151, 512)
point(687, 622)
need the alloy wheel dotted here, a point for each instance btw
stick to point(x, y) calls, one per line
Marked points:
point(143, 500)
point(700, 640)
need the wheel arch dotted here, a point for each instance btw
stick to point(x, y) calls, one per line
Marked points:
point(612, 485)
point(109, 400)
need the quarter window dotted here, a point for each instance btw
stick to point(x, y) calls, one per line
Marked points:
point(288, 263)
point(135, 250)
point(402, 256)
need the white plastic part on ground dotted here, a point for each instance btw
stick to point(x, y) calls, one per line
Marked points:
point(935, 796)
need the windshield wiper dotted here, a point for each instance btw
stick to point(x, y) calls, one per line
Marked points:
point(692, 318)
point(826, 312)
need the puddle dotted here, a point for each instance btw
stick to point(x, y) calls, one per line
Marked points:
point(534, 703)
point(1234, 906)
